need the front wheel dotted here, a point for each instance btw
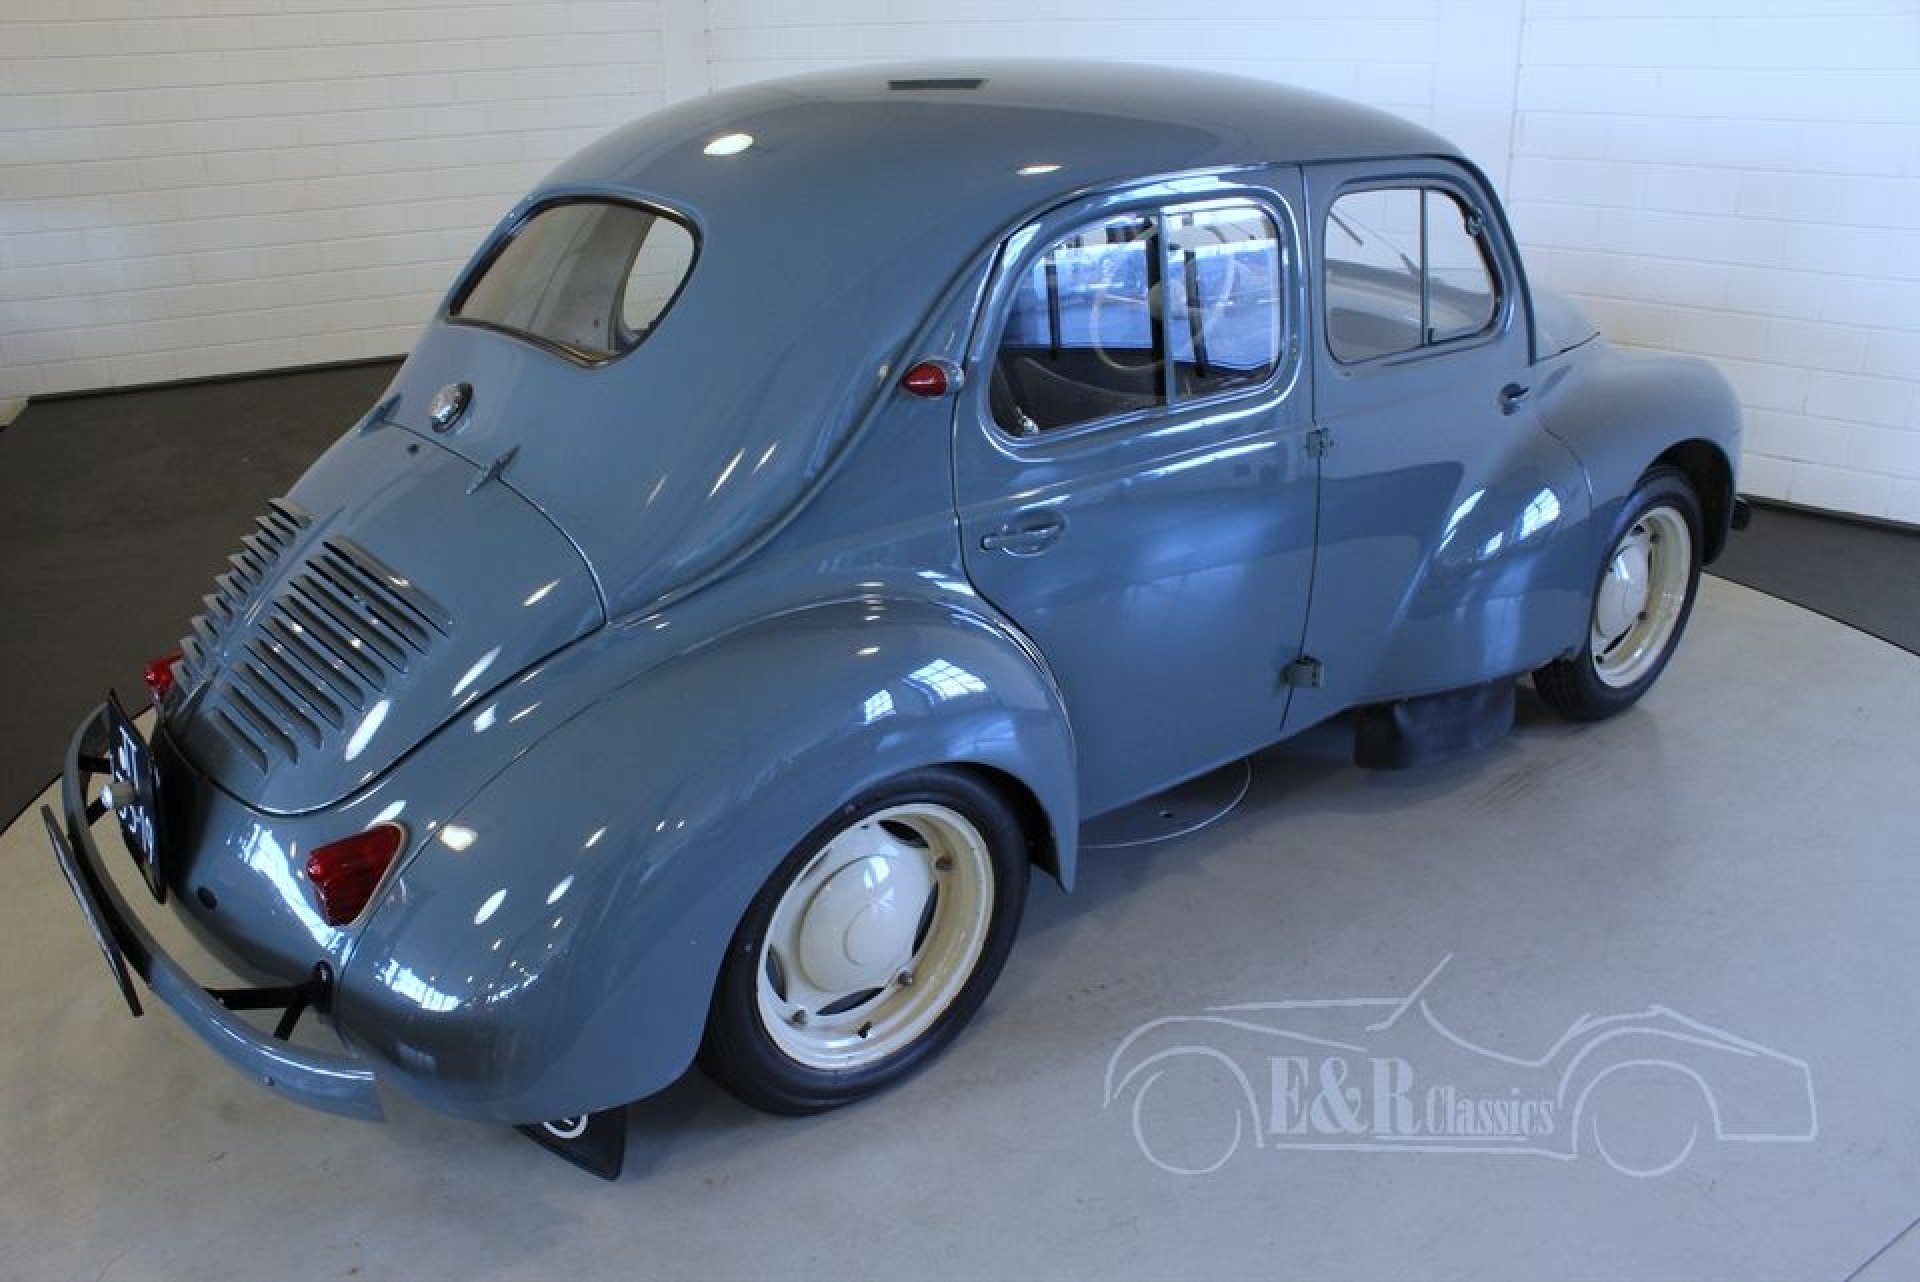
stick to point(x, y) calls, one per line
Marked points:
point(870, 946)
point(1640, 604)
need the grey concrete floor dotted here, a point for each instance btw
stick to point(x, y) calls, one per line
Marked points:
point(1741, 849)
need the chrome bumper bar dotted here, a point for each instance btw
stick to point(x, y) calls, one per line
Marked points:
point(321, 1080)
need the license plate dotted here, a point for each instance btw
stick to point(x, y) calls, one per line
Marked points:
point(135, 795)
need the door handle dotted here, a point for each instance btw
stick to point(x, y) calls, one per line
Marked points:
point(1511, 397)
point(1034, 534)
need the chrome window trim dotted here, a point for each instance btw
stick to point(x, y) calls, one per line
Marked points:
point(1019, 251)
point(470, 279)
point(1492, 252)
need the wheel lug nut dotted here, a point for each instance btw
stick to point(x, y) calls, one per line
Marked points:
point(798, 1019)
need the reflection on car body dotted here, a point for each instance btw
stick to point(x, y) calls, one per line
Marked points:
point(808, 504)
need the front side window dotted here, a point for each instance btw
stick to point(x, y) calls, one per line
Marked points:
point(591, 278)
point(1406, 268)
point(1141, 311)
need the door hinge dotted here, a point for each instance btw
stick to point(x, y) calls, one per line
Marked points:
point(1319, 441)
point(1304, 672)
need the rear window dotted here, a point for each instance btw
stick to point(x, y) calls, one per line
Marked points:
point(589, 278)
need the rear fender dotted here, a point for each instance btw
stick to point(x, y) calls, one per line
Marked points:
point(553, 948)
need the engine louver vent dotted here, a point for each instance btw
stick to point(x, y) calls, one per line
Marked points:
point(236, 590)
point(300, 661)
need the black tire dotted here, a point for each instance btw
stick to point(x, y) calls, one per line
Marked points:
point(1573, 686)
point(740, 1054)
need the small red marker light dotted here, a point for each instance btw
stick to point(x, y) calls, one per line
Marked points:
point(344, 873)
point(931, 378)
point(158, 674)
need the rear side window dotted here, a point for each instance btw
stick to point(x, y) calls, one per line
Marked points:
point(1141, 311)
point(1406, 268)
point(1224, 276)
point(589, 278)
point(1084, 339)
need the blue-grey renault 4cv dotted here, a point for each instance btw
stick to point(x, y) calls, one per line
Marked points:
point(809, 504)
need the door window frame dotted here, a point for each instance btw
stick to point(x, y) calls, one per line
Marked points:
point(1495, 252)
point(1019, 251)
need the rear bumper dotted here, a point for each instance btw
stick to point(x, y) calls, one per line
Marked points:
point(321, 1080)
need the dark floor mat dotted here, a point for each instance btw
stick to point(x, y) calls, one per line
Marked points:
point(116, 511)
point(1865, 575)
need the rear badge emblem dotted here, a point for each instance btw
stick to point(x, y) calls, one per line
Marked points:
point(448, 404)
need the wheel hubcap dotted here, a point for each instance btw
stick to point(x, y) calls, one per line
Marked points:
point(1642, 595)
point(858, 930)
point(876, 936)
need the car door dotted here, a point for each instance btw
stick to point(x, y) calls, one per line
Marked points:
point(1133, 484)
point(1447, 555)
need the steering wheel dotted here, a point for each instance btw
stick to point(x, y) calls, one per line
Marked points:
point(1123, 360)
point(1133, 360)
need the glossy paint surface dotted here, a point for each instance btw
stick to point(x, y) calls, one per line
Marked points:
point(1452, 529)
point(557, 942)
point(1170, 524)
point(509, 586)
point(823, 245)
point(703, 594)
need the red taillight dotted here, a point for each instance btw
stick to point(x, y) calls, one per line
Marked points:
point(158, 675)
point(931, 378)
point(345, 872)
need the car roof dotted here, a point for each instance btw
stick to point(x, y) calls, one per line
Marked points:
point(825, 247)
point(945, 127)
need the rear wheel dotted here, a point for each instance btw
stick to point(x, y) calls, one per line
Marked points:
point(870, 946)
point(1644, 1119)
point(1640, 603)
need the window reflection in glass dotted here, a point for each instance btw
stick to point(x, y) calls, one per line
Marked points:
point(1406, 267)
point(1139, 311)
point(1373, 273)
point(590, 278)
point(1460, 295)
point(1224, 273)
point(1083, 340)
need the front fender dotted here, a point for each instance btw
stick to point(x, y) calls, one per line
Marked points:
point(1750, 1091)
point(553, 949)
point(1621, 412)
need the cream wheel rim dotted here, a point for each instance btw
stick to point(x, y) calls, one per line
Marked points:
point(876, 936)
point(1642, 595)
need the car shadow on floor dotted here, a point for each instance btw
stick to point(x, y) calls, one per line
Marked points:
point(1294, 777)
point(694, 1114)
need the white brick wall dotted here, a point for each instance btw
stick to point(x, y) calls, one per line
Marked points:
point(1450, 66)
point(197, 186)
point(1742, 181)
point(193, 187)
